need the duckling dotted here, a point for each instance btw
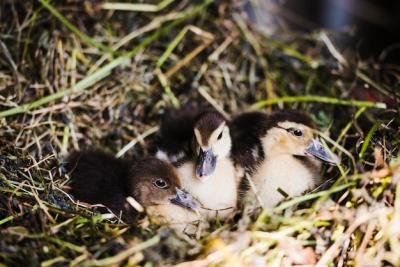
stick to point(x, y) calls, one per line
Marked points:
point(201, 154)
point(291, 157)
point(100, 178)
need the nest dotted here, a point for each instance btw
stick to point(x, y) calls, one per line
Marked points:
point(79, 74)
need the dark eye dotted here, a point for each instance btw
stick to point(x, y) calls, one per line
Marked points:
point(160, 183)
point(296, 132)
point(220, 136)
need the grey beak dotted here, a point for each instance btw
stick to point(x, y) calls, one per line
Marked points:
point(185, 200)
point(317, 150)
point(205, 164)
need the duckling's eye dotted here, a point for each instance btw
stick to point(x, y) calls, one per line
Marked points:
point(160, 183)
point(296, 132)
point(220, 136)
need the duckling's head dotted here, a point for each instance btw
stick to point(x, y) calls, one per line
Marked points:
point(154, 182)
point(212, 142)
point(293, 133)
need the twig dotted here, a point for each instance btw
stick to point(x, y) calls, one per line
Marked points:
point(137, 7)
point(211, 100)
point(133, 142)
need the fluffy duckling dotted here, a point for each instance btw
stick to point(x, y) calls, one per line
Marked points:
point(99, 178)
point(199, 146)
point(291, 160)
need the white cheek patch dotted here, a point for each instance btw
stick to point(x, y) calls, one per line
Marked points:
point(177, 157)
point(214, 136)
point(222, 147)
point(198, 136)
point(161, 155)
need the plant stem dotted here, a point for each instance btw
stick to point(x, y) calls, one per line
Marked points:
point(320, 99)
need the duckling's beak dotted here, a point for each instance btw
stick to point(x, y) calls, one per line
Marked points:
point(205, 164)
point(185, 200)
point(317, 150)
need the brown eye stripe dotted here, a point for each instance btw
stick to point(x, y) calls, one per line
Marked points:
point(294, 131)
point(286, 129)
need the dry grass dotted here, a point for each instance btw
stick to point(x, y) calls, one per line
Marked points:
point(77, 74)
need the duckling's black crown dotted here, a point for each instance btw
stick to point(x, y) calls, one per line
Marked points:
point(207, 122)
point(289, 115)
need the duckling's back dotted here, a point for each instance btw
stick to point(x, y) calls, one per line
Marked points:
point(246, 131)
point(174, 141)
point(98, 178)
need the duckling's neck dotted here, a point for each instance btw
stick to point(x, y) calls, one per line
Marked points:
point(218, 194)
point(178, 218)
point(287, 173)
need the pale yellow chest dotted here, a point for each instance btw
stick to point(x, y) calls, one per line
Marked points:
point(282, 172)
point(218, 194)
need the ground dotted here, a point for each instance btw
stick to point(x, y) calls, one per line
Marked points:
point(79, 74)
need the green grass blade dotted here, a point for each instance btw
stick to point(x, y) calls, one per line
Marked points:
point(320, 99)
point(137, 7)
point(171, 47)
point(6, 219)
point(306, 197)
point(367, 140)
